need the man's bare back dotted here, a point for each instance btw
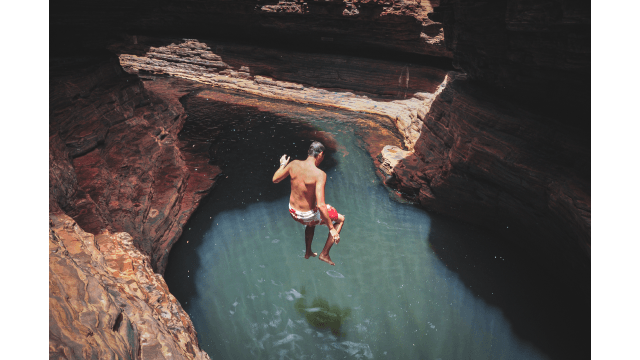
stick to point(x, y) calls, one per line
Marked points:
point(304, 179)
point(306, 203)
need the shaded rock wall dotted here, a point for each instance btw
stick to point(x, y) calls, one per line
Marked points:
point(375, 26)
point(508, 142)
point(534, 53)
point(494, 164)
point(115, 160)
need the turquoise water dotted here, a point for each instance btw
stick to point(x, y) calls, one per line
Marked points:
point(240, 273)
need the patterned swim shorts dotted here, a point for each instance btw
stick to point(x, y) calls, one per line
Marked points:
point(312, 217)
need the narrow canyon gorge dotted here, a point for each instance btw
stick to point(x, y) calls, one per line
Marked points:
point(489, 103)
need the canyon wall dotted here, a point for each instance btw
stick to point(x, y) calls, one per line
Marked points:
point(378, 27)
point(507, 144)
point(117, 167)
point(503, 141)
point(491, 163)
point(116, 163)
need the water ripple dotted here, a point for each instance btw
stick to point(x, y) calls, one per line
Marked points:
point(335, 274)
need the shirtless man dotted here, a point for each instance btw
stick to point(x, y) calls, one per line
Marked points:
point(306, 204)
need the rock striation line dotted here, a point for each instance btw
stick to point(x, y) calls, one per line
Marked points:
point(195, 60)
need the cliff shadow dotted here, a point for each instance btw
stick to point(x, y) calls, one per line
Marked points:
point(551, 314)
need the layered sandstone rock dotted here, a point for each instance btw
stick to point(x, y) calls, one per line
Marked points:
point(365, 25)
point(116, 163)
point(538, 53)
point(518, 125)
point(395, 90)
point(117, 167)
point(106, 302)
point(489, 162)
point(386, 79)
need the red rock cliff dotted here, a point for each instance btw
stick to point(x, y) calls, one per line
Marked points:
point(117, 167)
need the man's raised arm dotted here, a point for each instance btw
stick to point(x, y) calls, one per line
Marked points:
point(283, 170)
point(322, 180)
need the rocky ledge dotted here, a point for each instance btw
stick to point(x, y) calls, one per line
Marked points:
point(106, 302)
point(399, 91)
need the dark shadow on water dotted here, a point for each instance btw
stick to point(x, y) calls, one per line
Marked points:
point(553, 316)
point(246, 143)
point(321, 315)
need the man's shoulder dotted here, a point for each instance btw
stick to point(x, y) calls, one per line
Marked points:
point(295, 163)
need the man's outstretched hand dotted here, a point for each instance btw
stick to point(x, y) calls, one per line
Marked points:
point(284, 160)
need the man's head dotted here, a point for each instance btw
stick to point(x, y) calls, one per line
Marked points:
point(315, 149)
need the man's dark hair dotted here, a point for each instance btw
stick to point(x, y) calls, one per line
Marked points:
point(315, 149)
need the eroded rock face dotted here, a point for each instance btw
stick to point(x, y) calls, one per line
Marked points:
point(497, 165)
point(538, 53)
point(391, 80)
point(117, 167)
point(105, 301)
point(512, 140)
point(116, 163)
point(383, 87)
point(363, 25)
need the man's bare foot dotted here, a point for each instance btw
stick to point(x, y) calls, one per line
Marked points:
point(306, 256)
point(326, 259)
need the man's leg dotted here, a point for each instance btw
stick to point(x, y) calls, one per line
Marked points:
point(308, 238)
point(324, 255)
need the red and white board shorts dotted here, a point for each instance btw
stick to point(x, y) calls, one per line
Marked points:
point(312, 217)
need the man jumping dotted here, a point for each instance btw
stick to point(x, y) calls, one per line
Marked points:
point(306, 204)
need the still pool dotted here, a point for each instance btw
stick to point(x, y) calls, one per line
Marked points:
point(240, 273)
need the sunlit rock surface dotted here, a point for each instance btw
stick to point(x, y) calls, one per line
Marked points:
point(106, 302)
